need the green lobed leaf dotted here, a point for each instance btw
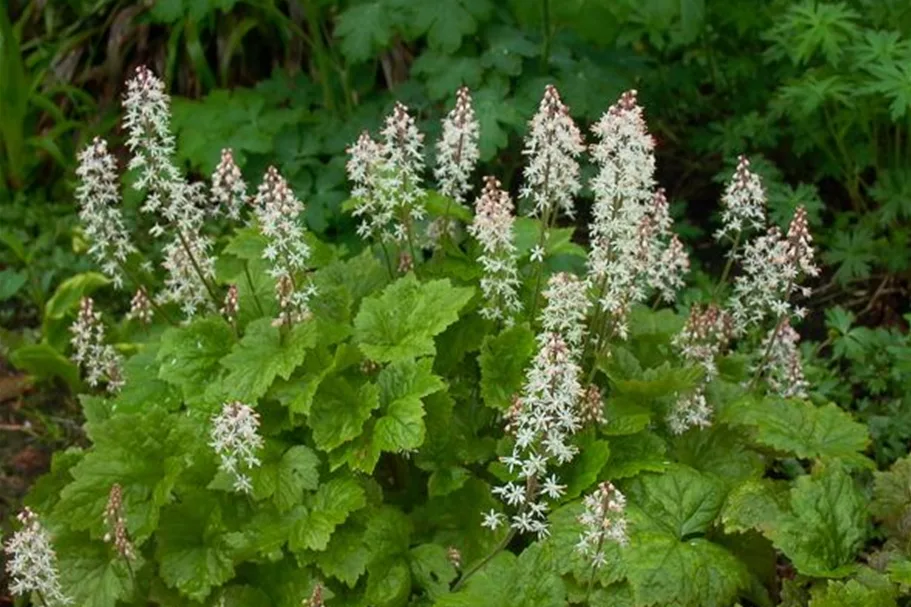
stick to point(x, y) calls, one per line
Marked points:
point(431, 569)
point(192, 550)
point(502, 360)
point(634, 453)
point(346, 556)
point(680, 501)
point(143, 388)
point(892, 497)
point(328, 508)
point(144, 453)
point(43, 361)
point(388, 583)
point(719, 451)
point(694, 573)
point(447, 23)
point(827, 524)
point(67, 296)
point(851, 594)
point(92, 573)
point(189, 356)
point(402, 386)
point(486, 588)
point(800, 428)
point(263, 354)
point(286, 476)
point(756, 504)
point(364, 28)
point(400, 322)
point(339, 411)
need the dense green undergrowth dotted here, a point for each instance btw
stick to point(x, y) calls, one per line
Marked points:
point(391, 384)
point(384, 411)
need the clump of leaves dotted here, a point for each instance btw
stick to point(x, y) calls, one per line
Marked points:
point(307, 422)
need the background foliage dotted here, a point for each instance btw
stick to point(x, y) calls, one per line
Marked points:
point(816, 92)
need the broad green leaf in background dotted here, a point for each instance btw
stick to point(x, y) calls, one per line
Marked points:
point(263, 354)
point(502, 360)
point(11, 281)
point(801, 428)
point(402, 386)
point(366, 27)
point(691, 573)
point(192, 549)
point(431, 569)
point(92, 572)
point(190, 355)
point(680, 501)
point(328, 508)
point(826, 524)
point(43, 361)
point(340, 410)
point(851, 594)
point(65, 302)
point(447, 23)
point(400, 322)
point(892, 497)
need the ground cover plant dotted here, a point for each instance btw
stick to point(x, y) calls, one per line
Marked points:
point(461, 407)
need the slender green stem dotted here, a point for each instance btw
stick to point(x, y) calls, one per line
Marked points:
point(199, 272)
point(727, 266)
point(595, 318)
point(850, 167)
point(547, 31)
point(249, 278)
point(414, 256)
point(477, 566)
point(767, 353)
point(542, 239)
point(768, 350)
point(318, 48)
point(388, 259)
point(591, 577)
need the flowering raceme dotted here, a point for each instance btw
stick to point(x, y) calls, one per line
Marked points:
point(98, 195)
point(552, 147)
point(705, 336)
point(457, 156)
point(115, 524)
point(228, 187)
point(236, 440)
point(602, 521)
point(404, 161)
point(743, 203)
point(457, 149)
point(773, 266)
point(632, 246)
point(493, 228)
point(32, 563)
point(782, 366)
point(374, 196)
point(279, 214)
point(547, 413)
point(187, 256)
point(99, 361)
